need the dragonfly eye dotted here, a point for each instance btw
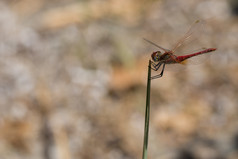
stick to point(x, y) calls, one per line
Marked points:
point(156, 56)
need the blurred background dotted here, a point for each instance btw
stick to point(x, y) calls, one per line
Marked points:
point(73, 80)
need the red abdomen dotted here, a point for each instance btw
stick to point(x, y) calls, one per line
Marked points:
point(182, 58)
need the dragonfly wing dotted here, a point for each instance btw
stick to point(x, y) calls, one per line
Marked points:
point(165, 50)
point(191, 35)
point(177, 67)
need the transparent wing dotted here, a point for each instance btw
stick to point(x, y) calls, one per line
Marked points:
point(165, 50)
point(195, 31)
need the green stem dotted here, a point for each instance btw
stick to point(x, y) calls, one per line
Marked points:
point(147, 114)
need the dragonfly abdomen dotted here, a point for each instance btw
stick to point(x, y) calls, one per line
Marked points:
point(182, 58)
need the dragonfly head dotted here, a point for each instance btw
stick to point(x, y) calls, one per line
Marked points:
point(156, 56)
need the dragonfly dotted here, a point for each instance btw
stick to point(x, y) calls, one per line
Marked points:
point(169, 56)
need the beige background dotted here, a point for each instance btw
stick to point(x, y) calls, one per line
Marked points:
point(73, 80)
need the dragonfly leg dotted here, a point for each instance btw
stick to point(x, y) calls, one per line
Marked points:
point(154, 66)
point(159, 75)
point(157, 66)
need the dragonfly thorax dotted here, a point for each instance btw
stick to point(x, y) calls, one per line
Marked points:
point(156, 56)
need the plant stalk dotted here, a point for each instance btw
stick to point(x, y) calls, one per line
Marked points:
point(147, 114)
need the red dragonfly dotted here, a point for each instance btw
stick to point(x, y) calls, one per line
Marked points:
point(168, 57)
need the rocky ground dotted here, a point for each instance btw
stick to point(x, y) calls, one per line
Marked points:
point(73, 80)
